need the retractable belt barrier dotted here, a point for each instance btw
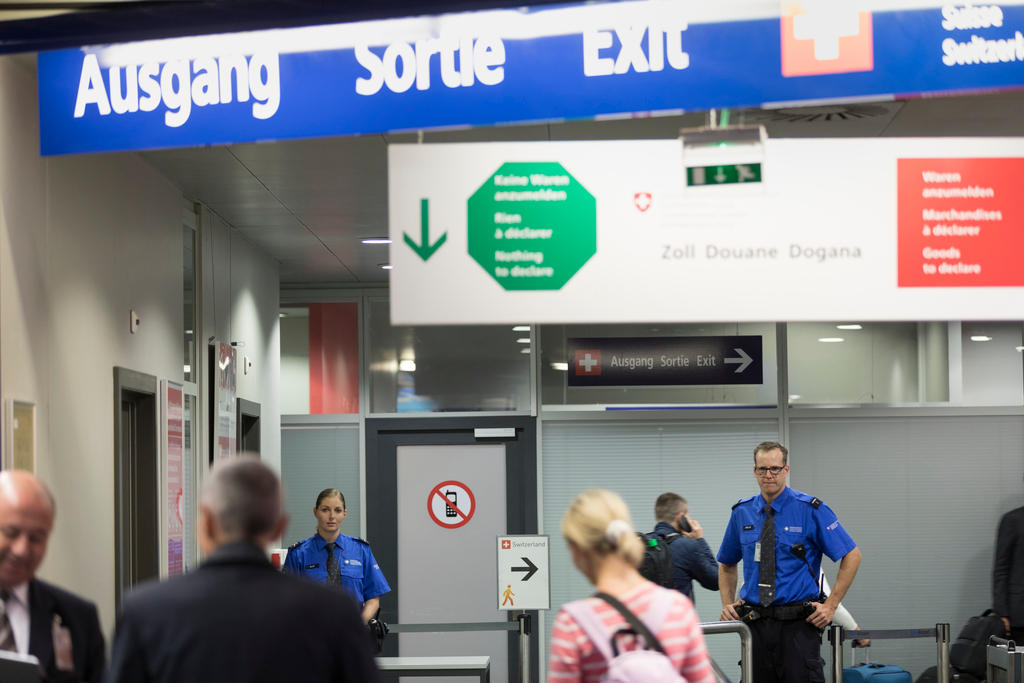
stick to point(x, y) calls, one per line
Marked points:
point(1002, 655)
point(522, 624)
point(837, 634)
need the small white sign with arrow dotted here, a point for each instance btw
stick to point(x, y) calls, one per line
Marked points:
point(524, 580)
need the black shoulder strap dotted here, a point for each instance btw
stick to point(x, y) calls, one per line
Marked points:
point(638, 626)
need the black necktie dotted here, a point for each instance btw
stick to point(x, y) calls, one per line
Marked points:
point(333, 573)
point(6, 633)
point(766, 579)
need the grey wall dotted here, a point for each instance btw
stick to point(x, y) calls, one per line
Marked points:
point(922, 497)
point(83, 240)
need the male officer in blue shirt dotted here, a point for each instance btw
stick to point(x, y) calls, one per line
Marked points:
point(781, 535)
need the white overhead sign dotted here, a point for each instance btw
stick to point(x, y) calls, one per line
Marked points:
point(523, 573)
point(638, 231)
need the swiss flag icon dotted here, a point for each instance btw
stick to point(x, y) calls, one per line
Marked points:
point(506, 544)
point(587, 362)
point(825, 37)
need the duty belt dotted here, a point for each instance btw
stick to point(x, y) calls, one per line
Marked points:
point(795, 610)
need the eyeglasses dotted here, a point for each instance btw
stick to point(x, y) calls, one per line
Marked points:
point(776, 471)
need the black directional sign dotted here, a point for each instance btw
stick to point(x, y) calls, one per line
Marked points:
point(664, 361)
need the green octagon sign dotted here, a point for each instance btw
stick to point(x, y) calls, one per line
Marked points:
point(532, 225)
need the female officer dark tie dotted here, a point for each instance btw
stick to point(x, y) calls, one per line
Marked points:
point(766, 577)
point(333, 573)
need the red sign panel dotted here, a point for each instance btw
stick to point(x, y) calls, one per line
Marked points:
point(961, 222)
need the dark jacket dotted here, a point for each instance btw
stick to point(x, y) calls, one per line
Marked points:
point(238, 619)
point(1008, 568)
point(46, 603)
point(692, 559)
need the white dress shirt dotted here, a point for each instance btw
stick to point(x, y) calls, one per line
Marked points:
point(18, 615)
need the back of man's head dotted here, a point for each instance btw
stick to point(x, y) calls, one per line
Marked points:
point(668, 506)
point(243, 496)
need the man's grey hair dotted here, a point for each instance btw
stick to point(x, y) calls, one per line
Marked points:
point(244, 496)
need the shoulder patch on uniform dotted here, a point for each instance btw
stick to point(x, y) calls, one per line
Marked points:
point(295, 545)
point(741, 501)
point(359, 540)
point(815, 503)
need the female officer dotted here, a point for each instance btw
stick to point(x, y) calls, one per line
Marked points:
point(331, 557)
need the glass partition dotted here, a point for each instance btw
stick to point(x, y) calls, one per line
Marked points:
point(447, 368)
point(969, 363)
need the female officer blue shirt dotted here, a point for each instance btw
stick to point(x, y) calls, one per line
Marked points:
point(350, 563)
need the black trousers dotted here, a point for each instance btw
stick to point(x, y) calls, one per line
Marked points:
point(787, 652)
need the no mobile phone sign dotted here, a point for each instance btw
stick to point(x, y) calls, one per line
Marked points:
point(451, 504)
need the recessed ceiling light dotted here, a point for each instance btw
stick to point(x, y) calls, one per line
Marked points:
point(526, 350)
point(385, 266)
point(849, 327)
point(521, 328)
point(980, 337)
point(831, 340)
point(794, 397)
point(564, 367)
point(407, 365)
point(188, 369)
point(376, 240)
point(523, 340)
point(282, 315)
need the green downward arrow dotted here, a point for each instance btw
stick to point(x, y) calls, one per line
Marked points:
point(424, 249)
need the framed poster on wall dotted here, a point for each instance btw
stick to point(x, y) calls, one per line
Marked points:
point(19, 435)
point(222, 401)
point(172, 422)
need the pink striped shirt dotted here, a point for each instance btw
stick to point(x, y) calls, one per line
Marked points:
point(574, 657)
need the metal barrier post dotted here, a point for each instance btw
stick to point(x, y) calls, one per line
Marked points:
point(835, 636)
point(746, 644)
point(942, 652)
point(524, 647)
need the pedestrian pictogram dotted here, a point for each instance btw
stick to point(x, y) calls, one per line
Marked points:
point(451, 504)
point(508, 595)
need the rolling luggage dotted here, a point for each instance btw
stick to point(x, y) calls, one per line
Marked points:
point(876, 673)
point(931, 675)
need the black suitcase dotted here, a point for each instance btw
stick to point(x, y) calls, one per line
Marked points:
point(931, 675)
point(967, 653)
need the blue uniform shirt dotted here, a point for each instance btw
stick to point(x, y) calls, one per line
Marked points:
point(797, 520)
point(360, 574)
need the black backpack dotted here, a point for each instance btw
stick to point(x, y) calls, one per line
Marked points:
point(967, 653)
point(657, 563)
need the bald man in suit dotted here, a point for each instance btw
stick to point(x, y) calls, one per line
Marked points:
point(59, 628)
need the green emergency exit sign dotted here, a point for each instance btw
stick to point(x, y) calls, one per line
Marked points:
point(726, 174)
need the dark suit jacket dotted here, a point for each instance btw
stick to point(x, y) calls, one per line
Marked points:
point(45, 602)
point(1008, 569)
point(238, 619)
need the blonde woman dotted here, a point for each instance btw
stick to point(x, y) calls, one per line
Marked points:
point(604, 547)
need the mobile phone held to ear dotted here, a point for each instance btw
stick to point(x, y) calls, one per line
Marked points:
point(684, 524)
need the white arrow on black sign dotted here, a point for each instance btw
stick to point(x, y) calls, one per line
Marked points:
point(744, 360)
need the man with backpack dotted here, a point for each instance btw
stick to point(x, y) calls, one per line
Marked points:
point(690, 556)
